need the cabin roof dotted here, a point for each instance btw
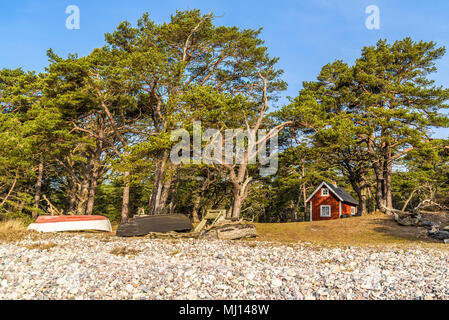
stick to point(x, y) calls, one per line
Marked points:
point(341, 194)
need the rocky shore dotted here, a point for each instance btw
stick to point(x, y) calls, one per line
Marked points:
point(67, 266)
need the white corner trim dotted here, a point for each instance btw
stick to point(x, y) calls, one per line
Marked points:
point(311, 211)
point(339, 207)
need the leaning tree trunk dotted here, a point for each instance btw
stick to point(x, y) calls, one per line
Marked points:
point(37, 196)
point(404, 207)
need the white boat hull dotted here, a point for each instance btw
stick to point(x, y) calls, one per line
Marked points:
point(98, 225)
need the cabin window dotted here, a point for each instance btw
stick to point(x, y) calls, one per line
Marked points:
point(353, 210)
point(324, 192)
point(325, 211)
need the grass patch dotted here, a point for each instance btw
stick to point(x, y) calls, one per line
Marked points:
point(41, 246)
point(375, 229)
point(13, 230)
point(124, 251)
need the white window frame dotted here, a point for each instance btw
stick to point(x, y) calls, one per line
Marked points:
point(353, 211)
point(321, 211)
point(325, 195)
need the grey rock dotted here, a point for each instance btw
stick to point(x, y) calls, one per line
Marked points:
point(440, 235)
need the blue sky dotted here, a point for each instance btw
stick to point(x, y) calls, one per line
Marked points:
point(305, 34)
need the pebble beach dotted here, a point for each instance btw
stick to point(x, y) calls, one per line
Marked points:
point(64, 266)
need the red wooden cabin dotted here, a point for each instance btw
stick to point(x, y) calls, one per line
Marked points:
point(329, 202)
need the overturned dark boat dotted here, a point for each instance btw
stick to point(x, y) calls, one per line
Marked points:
point(143, 225)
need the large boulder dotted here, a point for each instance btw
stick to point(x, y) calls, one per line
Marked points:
point(143, 225)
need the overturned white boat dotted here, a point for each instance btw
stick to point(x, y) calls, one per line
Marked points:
point(71, 223)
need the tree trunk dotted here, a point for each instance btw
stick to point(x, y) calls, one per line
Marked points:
point(409, 199)
point(72, 200)
point(370, 200)
point(236, 204)
point(296, 206)
point(196, 206)
point(10, 191)
point(362, 197)
point(84, 192)
point(37, 196)
point(125, 200)
point(158, 185)
point(172, 204)
point(380, 187)
point(164, 196)
point(97, 170)
point(304, 188)
point(91, 195)
point(387, 175)
point(240, 188)
point(378, 166)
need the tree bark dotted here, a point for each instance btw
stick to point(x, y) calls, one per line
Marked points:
point(164, 195)
point(10, 191)
point(409, 199)
point(363, 206)
point(72, 200)
point(95, 174)
point(82, 202)
point(125, 200)
point(158, 185)
point(37, 196)
point(380, 187)
point(196, 206)
point(92, 192)
point(236, 204)
point(387, 175)
point(240, 192)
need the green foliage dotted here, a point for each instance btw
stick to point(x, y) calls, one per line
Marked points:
point(102, 122)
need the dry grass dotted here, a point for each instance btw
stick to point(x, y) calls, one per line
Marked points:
point(370, 230)
point(124, 251)
point(12, 230)
point(41, 246)
point(174, 253)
